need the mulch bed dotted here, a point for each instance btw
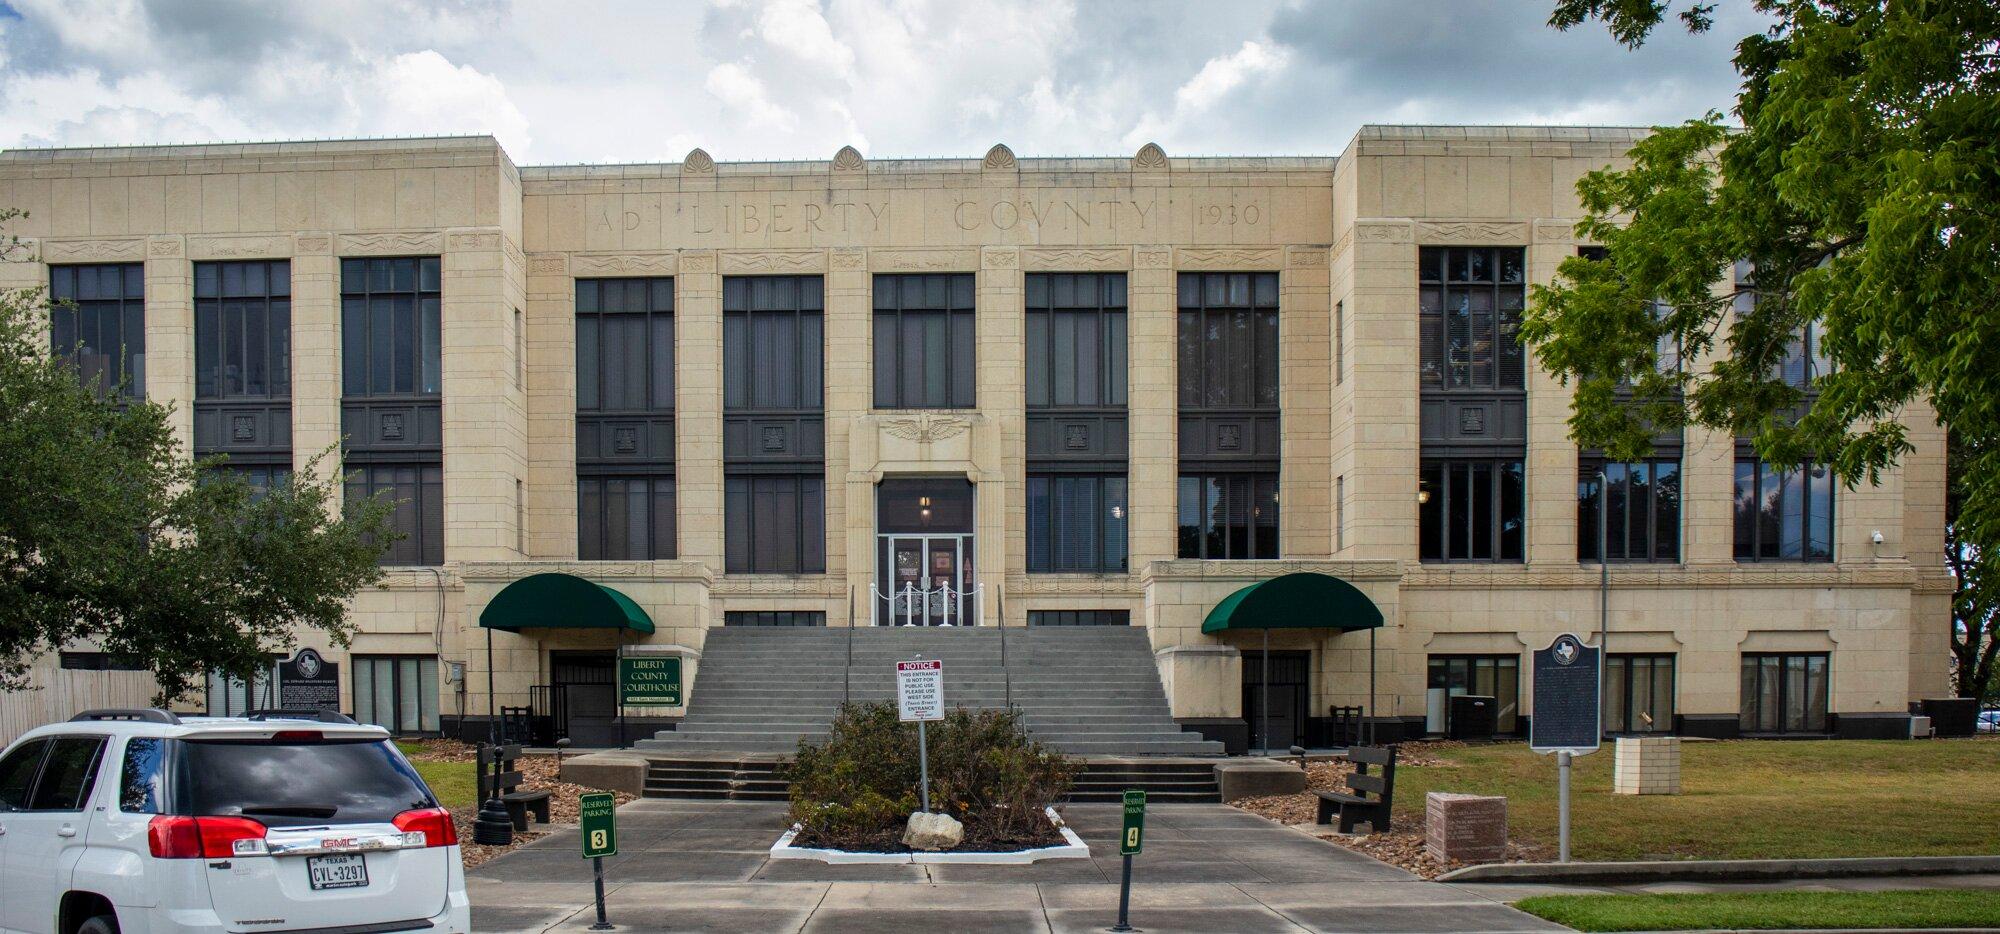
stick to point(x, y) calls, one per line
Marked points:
point(1403, 848)
point(537, 772)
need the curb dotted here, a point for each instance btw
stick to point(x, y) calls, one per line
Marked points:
point(1724, 870)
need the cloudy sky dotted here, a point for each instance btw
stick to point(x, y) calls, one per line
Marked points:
point(569, 81)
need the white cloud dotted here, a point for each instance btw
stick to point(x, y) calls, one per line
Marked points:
point(736, 86)
point(639, 80)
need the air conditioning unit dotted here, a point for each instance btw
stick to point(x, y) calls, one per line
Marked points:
point(1920, 727)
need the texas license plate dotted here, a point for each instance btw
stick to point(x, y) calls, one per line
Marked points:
point(347, 871)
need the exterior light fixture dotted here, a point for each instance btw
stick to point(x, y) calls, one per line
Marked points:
point(1117, 512)
point(1423, 496)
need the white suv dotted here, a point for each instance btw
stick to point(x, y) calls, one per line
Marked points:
point(138, 821)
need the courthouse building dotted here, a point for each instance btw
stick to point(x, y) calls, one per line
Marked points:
point(980, 392)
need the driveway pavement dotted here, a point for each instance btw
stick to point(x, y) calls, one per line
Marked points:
point(702, 866)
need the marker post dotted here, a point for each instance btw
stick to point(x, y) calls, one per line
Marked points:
point(596, 815)
point(1129, 839)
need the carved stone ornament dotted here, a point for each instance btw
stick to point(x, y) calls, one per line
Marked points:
point(1497, 232)
point(848, 159)
point(548, 266)
point(1229, 258)
point(1161, 258)
point(999, 258)
point(850, 259)
point(390, 244)
point(1151, 158)
point(697, 163)
point(776, 262)
point(1077, 259)
point(164, 247)
point(999, 159)
point(315, 244)
point(926, 427)
point(626, 263)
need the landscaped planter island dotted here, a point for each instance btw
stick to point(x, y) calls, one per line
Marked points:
point(856, 798)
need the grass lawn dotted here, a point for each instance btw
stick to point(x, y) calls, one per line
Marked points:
point(1743, 799)
point(1935, 908)
point(454, 783)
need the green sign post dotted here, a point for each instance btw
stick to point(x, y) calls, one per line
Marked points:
point(1130, 836)
point(597, 815)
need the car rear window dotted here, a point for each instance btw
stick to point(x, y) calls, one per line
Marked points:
point(299, 784)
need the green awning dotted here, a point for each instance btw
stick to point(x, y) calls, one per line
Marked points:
point(562, 601)
point(1295, 601)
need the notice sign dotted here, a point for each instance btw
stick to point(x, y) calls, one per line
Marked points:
point(596, 817)
point(649, 681)
point(920, 690)
point(1566, 698)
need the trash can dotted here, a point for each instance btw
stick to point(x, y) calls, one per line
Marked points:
point(1472, 716)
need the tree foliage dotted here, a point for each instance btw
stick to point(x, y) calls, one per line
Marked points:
point(110, 534)
point(1861, 189)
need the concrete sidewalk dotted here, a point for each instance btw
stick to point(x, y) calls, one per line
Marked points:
point(702, 866)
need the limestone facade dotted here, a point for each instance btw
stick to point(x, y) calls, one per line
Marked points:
point(1341, 233)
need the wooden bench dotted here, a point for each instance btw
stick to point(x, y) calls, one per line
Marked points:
point(1372, 793)
point(498, 775)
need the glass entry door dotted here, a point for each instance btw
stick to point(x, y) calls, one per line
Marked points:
point(929, 582)
point(924, 555)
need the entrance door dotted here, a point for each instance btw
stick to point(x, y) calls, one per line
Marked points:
point(924, 556)
point(1288, 694)
point(585, 686)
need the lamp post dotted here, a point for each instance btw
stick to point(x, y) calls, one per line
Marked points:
point(492, 827)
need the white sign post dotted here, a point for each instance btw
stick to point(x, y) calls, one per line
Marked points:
point(920, 697)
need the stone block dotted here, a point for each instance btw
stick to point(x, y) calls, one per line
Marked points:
point(1647, 765)
point(609, 771)
point(1465, 828)
point(1254, 778)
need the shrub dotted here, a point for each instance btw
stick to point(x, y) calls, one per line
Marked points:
point(857, 789)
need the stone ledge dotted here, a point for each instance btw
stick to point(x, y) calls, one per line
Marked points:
point(607, 770)
point(1253, 778)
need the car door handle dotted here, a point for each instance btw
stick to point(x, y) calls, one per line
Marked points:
point(65, 831)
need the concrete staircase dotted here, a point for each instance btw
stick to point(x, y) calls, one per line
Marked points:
point(1088, 691)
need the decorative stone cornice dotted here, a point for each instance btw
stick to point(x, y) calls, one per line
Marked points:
point(74, 251)
point(270, 246)
point(1116, 259)
point(1092, 585)
point(1520, 577)
point(1497, 233)
point(1194, 571)
point(389, 244)
point(649, 571)
point(773, 261)
point(621, 264)
point(815, 586)
point(1229, 258)
point(923, 260)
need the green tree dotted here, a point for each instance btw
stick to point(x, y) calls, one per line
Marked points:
point(1861, 189)
point(108, 532)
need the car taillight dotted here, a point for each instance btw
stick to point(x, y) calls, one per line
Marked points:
point(434, 823)
point(203, 837)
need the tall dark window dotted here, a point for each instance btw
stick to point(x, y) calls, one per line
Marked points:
point(392, 376)
point(98, 324)
point(1642, 510)
point(625, 419)
point(397, 692)
point(1470, 510)
point(417, 493)
point(1784, 693)
point(925, 342)
point(777, 524)
point(389, 326)
point(1229, 422)
point(1077, 441)
point(1783, 514)
point(1638, 693)
point(774, 424)
point(243, 367)
point(1469, 317)
point(1805, 358)
point(243, 330)
point(1228, 516)
point(1076, 524)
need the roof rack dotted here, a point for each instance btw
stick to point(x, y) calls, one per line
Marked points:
point(139, 714)
point(298, 713)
